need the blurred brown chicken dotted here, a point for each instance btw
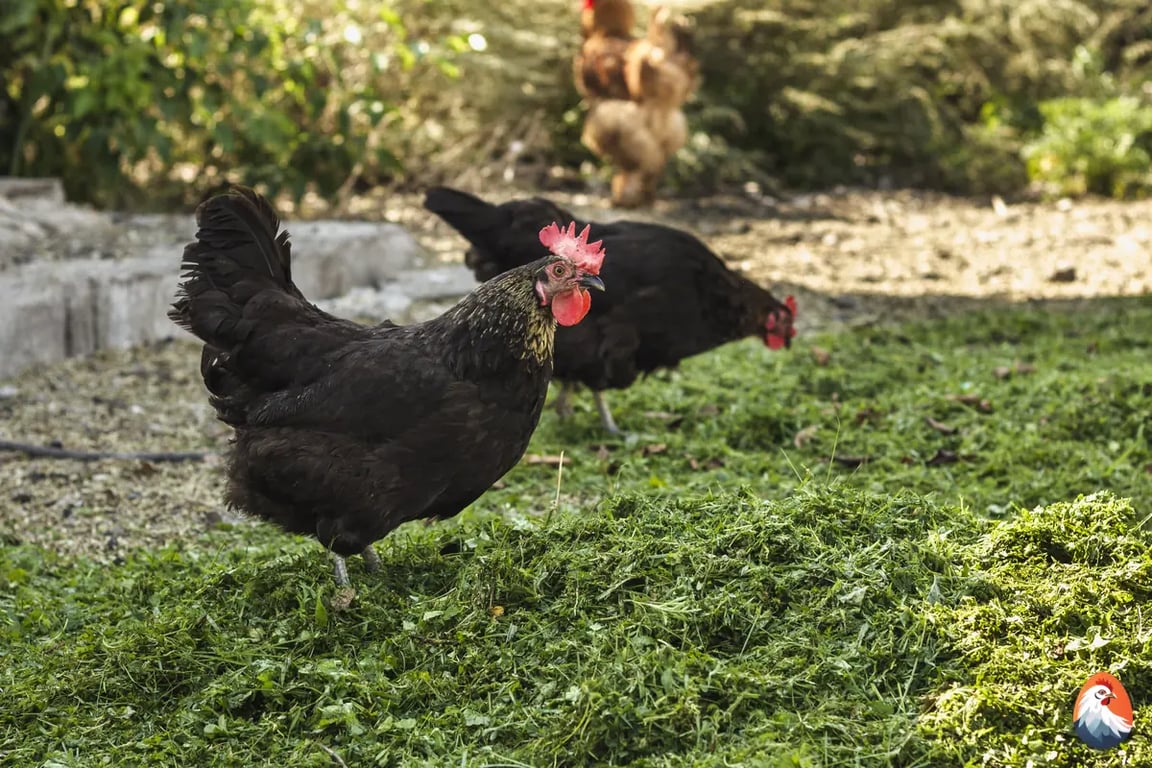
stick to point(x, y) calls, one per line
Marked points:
point(634, 89)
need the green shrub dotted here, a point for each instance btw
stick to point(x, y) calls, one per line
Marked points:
point(1102, 147)
point(856, 92)
point(114, 96)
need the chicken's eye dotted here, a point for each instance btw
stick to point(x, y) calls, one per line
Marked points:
point(557, 270)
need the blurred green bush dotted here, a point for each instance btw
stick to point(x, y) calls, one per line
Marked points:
point(1086, 145)
point(900, 90)
point(137, 102)
point(130, 100)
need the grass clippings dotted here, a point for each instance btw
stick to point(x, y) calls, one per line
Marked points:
point(707, 590)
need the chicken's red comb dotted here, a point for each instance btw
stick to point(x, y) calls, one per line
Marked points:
point(790, 302)
point(576, 248)
point(589, 4)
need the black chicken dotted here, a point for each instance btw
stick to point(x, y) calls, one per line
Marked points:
point(670, 297)
point(344, 431)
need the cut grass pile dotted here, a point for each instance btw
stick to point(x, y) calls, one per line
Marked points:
point(709, 591)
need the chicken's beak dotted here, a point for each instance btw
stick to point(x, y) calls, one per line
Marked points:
point(592, 281)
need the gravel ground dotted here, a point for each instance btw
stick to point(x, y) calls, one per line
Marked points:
point(854, 256)
point(850, 257)
point(142, 399)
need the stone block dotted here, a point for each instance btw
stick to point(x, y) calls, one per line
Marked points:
point(52, 309)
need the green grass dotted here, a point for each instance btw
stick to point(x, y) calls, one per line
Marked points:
point(706, 593)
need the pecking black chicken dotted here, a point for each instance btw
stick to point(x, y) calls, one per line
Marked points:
point(344, 431)
point(669, 296)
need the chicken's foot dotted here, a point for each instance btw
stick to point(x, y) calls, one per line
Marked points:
point(605, 414)
point(371, 559)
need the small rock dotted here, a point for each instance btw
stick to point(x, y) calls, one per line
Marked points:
point(943, 456)
point(805, 436)
point(1063, 275)
point(343, 599)
point(850, 461)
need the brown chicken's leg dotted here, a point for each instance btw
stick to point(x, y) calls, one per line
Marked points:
point(628, 190)
point(371, 559)
point(605, 414)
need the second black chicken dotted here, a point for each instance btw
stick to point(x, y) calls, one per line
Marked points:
point(669, 296)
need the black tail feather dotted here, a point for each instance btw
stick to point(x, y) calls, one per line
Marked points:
point(237, 296)
point(504, 236)
point(478, 221)
point(238, 252)
point(446, 202)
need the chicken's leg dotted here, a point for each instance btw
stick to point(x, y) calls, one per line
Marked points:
point(340, 565)
point(605, 414)
point(561, 404)
point(371, 559)
point(340, 569)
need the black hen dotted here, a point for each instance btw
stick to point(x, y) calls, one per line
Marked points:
point(344, 431)
point(669, 296)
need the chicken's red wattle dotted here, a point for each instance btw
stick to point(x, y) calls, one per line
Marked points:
point(570, 307)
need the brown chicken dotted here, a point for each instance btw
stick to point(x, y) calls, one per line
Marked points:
point(634, 89)
point(668, 297)
point(598, 68)
point(344, 431)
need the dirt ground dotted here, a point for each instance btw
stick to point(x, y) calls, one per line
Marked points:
point(850, 257)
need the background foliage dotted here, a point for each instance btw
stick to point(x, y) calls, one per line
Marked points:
point(162, 100)
point(111, 96)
